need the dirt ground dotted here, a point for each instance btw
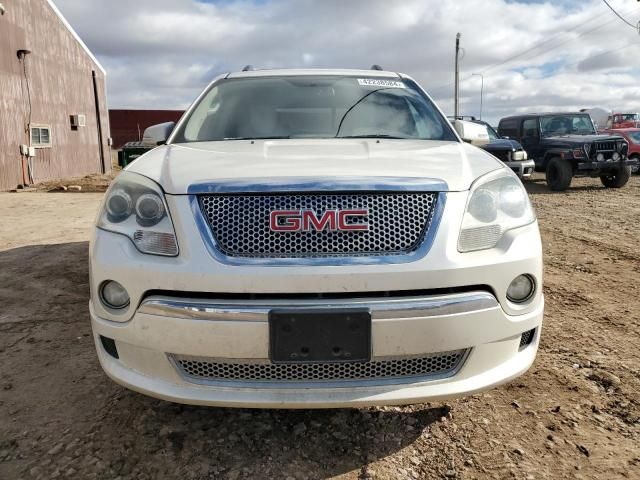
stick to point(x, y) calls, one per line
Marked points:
point(575, 414)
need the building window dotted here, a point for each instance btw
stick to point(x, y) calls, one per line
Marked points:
point(41, 136)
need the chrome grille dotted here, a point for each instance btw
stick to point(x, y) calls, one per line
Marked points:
point(436, 365)
point(240, 224)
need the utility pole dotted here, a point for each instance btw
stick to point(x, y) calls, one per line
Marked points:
point(457, 80)
point(481, 89)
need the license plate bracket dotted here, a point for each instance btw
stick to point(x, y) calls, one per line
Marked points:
point(320, 335)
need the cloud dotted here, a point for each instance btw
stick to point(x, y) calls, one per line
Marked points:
point(161, 53)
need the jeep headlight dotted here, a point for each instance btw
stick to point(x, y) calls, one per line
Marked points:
point(518, 155)
point(135, 206)
point(497, 203)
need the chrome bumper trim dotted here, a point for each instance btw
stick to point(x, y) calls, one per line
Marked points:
point(258, 310)
point(519, 167)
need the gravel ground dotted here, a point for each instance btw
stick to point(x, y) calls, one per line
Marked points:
point(575, 414)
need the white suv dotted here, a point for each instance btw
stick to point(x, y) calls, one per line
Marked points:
point(311, 239)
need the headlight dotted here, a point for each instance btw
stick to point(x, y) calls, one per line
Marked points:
point(579, 153)
point(135, 206)
point(497, 203)
point(519, 155)
point(600, 157)
point(616, 156)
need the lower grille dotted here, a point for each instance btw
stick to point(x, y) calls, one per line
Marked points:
point(439, 365)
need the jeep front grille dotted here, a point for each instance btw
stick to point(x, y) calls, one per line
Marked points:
point(240, 224)
point(608, 146)
point(437, 365)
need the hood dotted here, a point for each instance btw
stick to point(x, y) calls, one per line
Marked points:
point(175, 167)
point(502, 144)
point(580, 138)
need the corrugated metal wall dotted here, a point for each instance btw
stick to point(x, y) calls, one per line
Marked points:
point(129, 125)
point(60, 80)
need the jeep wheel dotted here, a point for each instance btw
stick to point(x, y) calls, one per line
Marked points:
point(558, 174)
point(617, 180)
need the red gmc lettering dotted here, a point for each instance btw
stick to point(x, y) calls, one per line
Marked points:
point(344, 214)
point(328, 219)
point(291, 221)
point(307, 220)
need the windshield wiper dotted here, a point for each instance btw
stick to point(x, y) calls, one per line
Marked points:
point(378, 135)
point(273, 137)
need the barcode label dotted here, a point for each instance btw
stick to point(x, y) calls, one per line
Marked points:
point(380, 82)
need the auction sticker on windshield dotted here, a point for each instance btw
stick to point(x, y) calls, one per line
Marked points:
point(380, 82)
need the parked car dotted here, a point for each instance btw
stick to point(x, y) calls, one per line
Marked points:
point(623, 120)
point(313, 239)
point(505, 149)
point(632, 136)
point(564, 145)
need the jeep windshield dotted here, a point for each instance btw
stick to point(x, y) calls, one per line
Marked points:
point(566, 124)
point(313, 107)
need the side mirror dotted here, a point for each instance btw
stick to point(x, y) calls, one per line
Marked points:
point(157, 134)
point(473, 133)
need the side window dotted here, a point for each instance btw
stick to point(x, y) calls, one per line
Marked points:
point(530, 128)
point(41, 136)
point(508, 128)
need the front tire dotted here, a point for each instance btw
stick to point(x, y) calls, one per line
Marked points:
point(617, 180)
point(558, 174)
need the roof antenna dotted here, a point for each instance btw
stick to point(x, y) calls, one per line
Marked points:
point(375, 66)
point(247, 68)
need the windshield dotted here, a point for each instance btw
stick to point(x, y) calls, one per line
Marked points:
point(493, 135)
point(313, 107)
point(634, 136)
point(552, 125)
point(629, 116)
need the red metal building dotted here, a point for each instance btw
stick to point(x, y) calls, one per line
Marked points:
point(53, 109)
point(129, 125)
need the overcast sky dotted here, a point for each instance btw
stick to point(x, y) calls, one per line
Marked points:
point(161, 53)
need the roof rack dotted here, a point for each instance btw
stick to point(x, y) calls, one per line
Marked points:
point(248, 68)
point(375, 66)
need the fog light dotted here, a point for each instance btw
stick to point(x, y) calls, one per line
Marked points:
point(521, 289)
point(114, 295)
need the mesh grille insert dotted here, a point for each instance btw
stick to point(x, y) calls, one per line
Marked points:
point(527, 338)
point(240, 224)
point(439, 364)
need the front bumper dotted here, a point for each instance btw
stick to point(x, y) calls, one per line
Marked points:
point(522, 168)
point(606, 165)
point(401, 328)
point(148, 336)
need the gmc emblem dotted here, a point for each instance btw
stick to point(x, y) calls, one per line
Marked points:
point(307, 220)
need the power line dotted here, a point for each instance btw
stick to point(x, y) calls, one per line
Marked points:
point(606, 52)
point(538, 45)
point(635, 27)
